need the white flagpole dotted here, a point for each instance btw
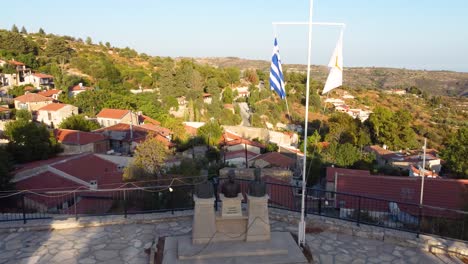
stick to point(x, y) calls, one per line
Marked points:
point(301, 233)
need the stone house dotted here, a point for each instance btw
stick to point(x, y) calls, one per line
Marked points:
point(53, 114)
point(74, 141)
point(31, 101)
point(109, 117)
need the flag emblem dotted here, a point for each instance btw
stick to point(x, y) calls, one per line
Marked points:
point(335, 77)
point(276, 73)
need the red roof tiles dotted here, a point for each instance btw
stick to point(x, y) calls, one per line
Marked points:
point(32, 97)
point(49, 93)
point(277, 160)
point(446, 193)
point(75, 137)
point(331, 171)
point(112, 113)
point(43, 76)
point(52, 107)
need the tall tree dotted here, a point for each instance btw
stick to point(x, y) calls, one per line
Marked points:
point(211, 132)
point(456, 152)
point(6, 166)
point(23, 30)
point(78, 122)
point(148, 159)
point(89, 41)
point(29, 141)
point(233, 75)
point(14, 29)
point(227, 95)
point(41, 31)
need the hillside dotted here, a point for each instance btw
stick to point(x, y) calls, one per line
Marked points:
point(433, 82)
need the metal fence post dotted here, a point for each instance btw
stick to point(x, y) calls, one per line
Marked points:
point(320, 206)
point(419, 221)
point(24, 208)
point(125, 203)
point(359, 211)
point(172, 202)
point(74, 205)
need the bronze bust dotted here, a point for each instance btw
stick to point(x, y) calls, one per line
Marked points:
point(257, 187)
point(204, 190)
point(230, 188)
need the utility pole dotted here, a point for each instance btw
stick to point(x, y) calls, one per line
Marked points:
point(422, 172)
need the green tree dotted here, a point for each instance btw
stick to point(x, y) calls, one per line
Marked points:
point(79, 122)
point(23, 30)
point(58, 48)
point(455, 152)
point(227, 95)
point(41, 31)
point(23, 114)
point(342, 155)
point(392, 129)
point(211, 132)
point(14, 29)
point(148, 160)
point(16, 44)
point(89, 41)
point(29, 141)
point(6, 165)
point(233, 75)
point(108, 45)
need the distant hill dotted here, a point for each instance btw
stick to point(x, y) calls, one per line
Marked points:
point(433, 82)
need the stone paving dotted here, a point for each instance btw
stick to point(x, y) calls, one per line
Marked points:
point(125, 243)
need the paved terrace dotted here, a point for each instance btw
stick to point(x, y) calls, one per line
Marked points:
point(113, 239)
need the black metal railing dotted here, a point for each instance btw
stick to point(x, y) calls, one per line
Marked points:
point(26, 206)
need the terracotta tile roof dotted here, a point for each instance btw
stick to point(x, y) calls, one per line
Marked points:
point(229, 106)
point(38, 163)
point(79, 88)
point(46, 180)
point(206, 95)
point(75, 137)
point(91, 167)
point(277, 159)
point(146, 119)
point(239, 154)
point(52, 107)
point(158, 129)
point(43, 76)
point(344, 172)
point(113, 113)
point(193, 131)
point(32, 97)
point(379, 150)
point(16, 63)
point(49, 93)
point(4, 109)
point(29, 88)
point(446, 193)
point(121, 132)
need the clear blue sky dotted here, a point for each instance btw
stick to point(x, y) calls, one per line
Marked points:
point(415, 34)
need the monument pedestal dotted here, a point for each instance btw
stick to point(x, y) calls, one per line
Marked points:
point(258, 226)
point(231, 206)
point(204, 223)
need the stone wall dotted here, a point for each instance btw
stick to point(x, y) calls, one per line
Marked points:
point(428, 243)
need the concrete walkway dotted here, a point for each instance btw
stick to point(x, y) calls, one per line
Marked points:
point(125, 243)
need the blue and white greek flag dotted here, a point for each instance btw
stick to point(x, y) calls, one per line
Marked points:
point(276, 73)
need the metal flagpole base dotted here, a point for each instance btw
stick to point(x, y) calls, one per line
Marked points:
point(301, 233)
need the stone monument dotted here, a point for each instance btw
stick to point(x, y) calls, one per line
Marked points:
point(257, 206)
point(204, 224)
point(230, 197)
